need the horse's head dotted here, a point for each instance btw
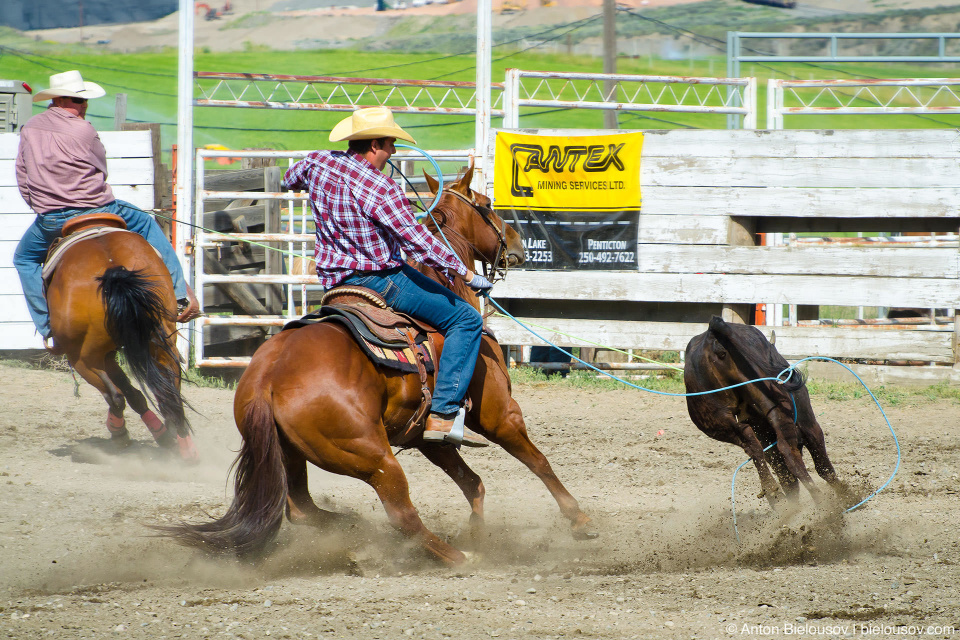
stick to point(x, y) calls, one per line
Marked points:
point(486, 237)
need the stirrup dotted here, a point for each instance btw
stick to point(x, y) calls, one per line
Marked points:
point(458, 434)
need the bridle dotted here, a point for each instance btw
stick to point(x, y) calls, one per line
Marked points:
point(495, 271)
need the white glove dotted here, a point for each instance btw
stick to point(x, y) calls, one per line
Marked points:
point(480, 284)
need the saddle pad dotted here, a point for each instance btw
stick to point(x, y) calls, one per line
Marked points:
point(60, 245)
point(401, 358)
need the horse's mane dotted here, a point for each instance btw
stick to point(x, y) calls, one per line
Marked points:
point(464, 251)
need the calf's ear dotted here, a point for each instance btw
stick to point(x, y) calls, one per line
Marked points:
point(773, 338)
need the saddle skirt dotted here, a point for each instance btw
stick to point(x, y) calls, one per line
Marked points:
point(389, 338)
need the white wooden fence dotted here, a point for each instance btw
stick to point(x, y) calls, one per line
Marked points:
point(130, 164)
point(706, 193)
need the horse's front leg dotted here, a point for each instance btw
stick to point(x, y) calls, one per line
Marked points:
point(449, 459)
point(510, 432)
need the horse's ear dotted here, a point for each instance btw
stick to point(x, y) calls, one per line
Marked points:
point(463, 184)
point(432, 183)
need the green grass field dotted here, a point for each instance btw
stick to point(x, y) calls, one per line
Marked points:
point(149, 80)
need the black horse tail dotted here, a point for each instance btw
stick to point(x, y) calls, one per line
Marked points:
point(259, 492)
point(135, 314)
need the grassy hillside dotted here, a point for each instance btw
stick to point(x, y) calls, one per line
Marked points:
point(149, 80)
point(708, 21)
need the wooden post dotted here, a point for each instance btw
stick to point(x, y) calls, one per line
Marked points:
point(159, 177)
point(740, 232)
point(273, 259)
point(956, 338)
point(408, 169)
point(120, 112)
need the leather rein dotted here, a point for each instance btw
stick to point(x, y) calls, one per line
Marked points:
point(494, 270)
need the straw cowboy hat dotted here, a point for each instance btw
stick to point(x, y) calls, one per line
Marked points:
point(367, 124)
point(71, 85)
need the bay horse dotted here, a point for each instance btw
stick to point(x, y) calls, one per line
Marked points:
point(112, 292)
point(311, 395)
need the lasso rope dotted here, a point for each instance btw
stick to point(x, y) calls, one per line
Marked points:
point(436, 199)
point(603, 346)
point(781, 378)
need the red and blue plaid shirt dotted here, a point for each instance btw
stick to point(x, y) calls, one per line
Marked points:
point(363, 218)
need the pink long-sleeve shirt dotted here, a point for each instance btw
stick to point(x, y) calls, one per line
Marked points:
point(61, 163)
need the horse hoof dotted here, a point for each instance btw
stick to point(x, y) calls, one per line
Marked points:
point(187, 450)
point(120, 441)
point(582, 530)
point(471, 559)
point(165, 439)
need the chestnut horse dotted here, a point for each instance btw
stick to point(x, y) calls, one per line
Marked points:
point(111, 292)
point(311, 395)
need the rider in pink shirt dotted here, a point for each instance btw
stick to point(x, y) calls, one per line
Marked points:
point(62, 173)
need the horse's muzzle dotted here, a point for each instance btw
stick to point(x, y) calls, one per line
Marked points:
point(514, 259)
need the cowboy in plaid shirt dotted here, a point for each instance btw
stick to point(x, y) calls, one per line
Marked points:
point(364, 227)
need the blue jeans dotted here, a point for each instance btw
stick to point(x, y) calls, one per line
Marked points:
point(409, 291)
point(32, 251)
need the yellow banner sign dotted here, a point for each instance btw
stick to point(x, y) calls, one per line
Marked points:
point(567, 173)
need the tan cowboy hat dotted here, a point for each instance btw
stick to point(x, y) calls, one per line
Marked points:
point(367, 124)
point(71, 85)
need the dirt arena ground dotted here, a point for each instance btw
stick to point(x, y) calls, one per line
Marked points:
point(76, 559)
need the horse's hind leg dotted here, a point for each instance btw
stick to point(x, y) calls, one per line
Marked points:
point(99, 379)
point(366, 456)
point(166, 393)
point(449, 459)
point(138, 402)
point(511, 434)
point(391, 486)
point(301, 509)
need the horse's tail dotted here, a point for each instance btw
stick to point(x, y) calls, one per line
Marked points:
point(135, 315)
point(259, 496)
